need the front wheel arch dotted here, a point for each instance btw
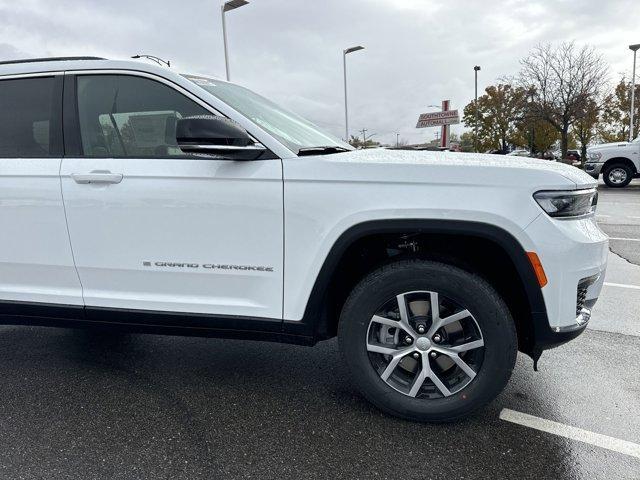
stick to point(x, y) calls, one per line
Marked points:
point(321, 313)
point(622, 160)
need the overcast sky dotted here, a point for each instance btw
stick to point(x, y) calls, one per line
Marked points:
point(418, 52)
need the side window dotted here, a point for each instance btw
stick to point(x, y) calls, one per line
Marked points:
point(28, 110)
point(129, 116)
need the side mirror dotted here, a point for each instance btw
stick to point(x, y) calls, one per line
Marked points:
point(215, 135)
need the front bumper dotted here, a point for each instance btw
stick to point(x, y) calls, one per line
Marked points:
point(573, 254)
point(593, 169)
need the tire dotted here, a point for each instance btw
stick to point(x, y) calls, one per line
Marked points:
point(457, 291)
point(617, 175)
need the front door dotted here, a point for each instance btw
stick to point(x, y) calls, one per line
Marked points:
point(155, 229)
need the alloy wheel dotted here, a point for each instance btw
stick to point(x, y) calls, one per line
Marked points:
point(425, 345)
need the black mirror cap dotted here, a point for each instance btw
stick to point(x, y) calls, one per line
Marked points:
point(211, 130)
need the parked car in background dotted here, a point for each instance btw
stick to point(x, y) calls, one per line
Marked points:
point(571, 158)
point(574, 155)
point(496, 151)
point(619, 162)
point(548, 155)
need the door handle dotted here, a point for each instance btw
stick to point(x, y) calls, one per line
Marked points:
point(97, 177)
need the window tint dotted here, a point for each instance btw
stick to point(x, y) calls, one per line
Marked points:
point(27, 110)
point(128, 116)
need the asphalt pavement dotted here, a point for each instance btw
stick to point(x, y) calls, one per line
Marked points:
point(85, 405)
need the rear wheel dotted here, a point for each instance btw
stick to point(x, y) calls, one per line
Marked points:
point(427, 341)
point(617, 175)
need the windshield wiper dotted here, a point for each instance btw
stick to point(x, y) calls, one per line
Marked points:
point(327, 150)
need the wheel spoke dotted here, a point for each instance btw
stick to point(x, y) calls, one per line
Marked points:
point(470, 372)
point(395, 360)
point(420, 378)
point(404, 316)
point(465, 347)
point(372, 347)
point(385, 321)
point(455, 350)
point(436, 381)
point(443, 322)
point(435, 306)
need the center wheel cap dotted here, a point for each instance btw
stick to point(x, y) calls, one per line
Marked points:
point(423, 344)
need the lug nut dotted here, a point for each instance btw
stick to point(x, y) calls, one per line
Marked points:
point(416, 355)
point(433, 354)
point(421, 329)
point(437, 338)
point(408, 340)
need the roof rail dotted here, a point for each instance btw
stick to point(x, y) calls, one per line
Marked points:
point(49, 59)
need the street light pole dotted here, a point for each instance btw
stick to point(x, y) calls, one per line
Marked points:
point(346, 103)
point(475, 104)
point(633, 48)
point(227, 7)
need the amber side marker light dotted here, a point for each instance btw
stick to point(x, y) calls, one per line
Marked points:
point(537, 267)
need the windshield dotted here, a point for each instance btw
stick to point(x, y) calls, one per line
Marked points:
point(291, 129)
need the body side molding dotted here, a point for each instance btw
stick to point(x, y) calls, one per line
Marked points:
point(143, 321)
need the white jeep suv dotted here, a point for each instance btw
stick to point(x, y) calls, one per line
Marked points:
point(138, 199)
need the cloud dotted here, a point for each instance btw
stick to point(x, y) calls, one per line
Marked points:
point(418, 52)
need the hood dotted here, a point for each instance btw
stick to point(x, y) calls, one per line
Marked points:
point(606, 146)
point(461, 168)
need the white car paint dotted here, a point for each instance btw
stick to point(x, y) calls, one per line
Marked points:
point(175, 210)
point(364, 185)
point(36, 263)
point(285, 214)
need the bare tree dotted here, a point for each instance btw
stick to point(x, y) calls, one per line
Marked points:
point(563, 79)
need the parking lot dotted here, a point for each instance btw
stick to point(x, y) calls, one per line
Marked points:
point(77, 404)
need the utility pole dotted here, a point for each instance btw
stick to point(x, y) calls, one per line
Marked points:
point(475, 104)
point(346, 103)
point(633, 48)
point(364, 137)
point(227, 7)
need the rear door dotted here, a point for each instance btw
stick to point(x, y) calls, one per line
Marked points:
point(154, 229)
point(36, 262)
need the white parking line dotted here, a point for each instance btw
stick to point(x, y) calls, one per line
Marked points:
point(622, 285)
point(625, 239)
point(574, 433)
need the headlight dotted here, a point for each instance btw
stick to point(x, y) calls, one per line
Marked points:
point(566, 204)
point(594, 156)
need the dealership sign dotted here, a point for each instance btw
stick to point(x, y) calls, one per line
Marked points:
point(438, 119)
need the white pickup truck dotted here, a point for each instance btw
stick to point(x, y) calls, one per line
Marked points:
point(618, 162)
point(137, 199)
